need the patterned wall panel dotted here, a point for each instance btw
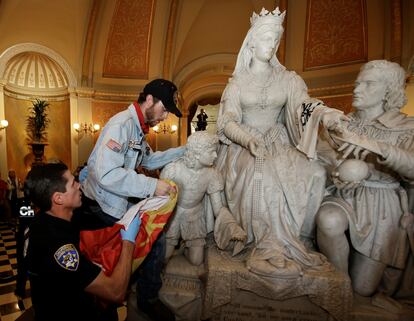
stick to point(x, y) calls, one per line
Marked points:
point(128, 46)
point(343, 103)
point(103, 111)
point(335, 33)
point(19, 154)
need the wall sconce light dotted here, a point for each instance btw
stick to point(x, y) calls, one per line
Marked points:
point(165, 129)
point(3, 124)
point(84, 127)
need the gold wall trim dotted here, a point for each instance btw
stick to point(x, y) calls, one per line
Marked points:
point(9, 92)
point(89, 43)
point(341, 102)
point(330, 91)
point(281, 52)
point(105, 95)
point(169, 43)
point(396, 34)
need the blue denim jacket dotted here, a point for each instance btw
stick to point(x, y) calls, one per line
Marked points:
point(121, 147)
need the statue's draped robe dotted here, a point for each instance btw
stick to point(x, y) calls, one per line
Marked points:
point(375, 208)
point(271, 198)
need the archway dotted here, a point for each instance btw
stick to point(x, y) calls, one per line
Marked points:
point(29, 71)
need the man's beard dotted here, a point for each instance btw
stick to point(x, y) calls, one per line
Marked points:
point(150, 116)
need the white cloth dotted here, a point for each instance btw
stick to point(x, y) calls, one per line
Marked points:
point(152, 203)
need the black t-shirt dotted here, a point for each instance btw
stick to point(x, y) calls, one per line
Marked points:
point(58, 271)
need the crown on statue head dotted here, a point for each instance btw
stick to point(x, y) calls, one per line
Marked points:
point(265, 17)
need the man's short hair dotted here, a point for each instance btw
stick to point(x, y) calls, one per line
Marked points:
point(142, 97)
point(43, 181)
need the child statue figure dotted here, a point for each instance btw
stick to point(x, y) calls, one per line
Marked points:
point(195, 177)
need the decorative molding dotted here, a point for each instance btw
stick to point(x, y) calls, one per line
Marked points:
point(27, 96)
point(410, 68)
point(169, 43)
point(281, 52)
point(125, 97)
point(335, 33)
point(410, 71)
point(35, 71)
point(128, 46)
point(215, 64)
point(344, 89)
point(341, 102)
point(339, 96)
point(396, 31)
point(28, 47)
point(204, 77)
point(86, 92)
point(206, 87)
point(89, 43)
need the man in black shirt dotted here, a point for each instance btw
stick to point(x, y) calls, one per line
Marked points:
point(201, 120)
point(64, 284)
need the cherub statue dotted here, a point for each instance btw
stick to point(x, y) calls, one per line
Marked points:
point(373, 207)
point(195, 177)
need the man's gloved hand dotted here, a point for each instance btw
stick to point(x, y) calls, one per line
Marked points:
point(131, 233)
point(83, 174)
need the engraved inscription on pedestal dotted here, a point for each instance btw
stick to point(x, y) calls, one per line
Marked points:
point(247, 306)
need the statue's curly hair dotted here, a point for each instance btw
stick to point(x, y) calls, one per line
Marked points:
point(394, 77)
point(196, 144)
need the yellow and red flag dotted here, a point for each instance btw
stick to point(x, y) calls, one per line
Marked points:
point(103, 246)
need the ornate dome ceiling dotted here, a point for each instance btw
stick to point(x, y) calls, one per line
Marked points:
point(35, 72)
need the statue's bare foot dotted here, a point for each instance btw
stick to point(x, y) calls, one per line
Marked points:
point(265, 268)
point(387, 303)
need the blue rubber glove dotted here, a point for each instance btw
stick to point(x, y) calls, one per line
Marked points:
point(83, 174)
point(131, 233)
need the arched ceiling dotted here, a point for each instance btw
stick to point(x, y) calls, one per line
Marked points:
point(117, 45)
point(35, 71)
point(228, 21)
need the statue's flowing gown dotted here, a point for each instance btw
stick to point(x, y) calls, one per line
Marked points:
point(274, 199)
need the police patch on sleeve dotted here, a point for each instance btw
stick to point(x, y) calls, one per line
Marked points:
point(67, 256)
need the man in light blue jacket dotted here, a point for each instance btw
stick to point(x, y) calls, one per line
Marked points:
point(112, 180)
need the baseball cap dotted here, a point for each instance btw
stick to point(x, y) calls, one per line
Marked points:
point(165, 91)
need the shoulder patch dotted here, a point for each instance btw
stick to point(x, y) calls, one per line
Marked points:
point(67, 256)
point(114, 145)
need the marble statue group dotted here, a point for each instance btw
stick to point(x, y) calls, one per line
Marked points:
point(295, 190)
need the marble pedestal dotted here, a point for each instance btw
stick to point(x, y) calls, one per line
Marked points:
point(224, 290)
point(182, 288)
point(233, 293)
point(363, 310)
